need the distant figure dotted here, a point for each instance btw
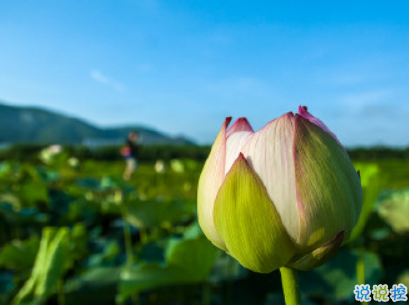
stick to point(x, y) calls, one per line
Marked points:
point(130, 153)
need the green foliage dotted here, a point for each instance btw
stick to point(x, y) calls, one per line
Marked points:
point(63, 222)
point(379, 153)
point(56, 255)
point(150, 153)
point(371, 187)
point(160, 213)
point(187, 261)
point(51, 263)
point(33, 192)
point(393, 208)
point(19, 255)
point(193, 257)
point(336, 279)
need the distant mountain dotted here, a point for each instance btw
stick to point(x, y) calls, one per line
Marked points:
point(39, 126)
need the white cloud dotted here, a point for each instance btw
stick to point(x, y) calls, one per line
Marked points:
point(103, 79)
point(237, 87)
point(357, 102)
point(99, 77)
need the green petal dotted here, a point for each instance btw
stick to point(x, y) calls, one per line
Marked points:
point(328, 188)
point(319, 256)
point(248, 222)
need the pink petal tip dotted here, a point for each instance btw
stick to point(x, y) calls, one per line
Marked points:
point(302, 110)
point(241, 124)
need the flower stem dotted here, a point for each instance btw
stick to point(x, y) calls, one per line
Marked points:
point(360, 269)
point(128, 240)
point(291, 288)
point(60, 292)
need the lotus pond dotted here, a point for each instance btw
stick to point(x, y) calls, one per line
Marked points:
point(73, 232)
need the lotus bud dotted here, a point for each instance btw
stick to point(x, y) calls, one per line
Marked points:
point(286, 195)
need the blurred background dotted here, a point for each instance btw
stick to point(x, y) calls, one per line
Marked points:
point(77, 76)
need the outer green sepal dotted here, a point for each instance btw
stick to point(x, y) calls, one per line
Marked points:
point(248, 222)
point(319, 256)
point(328, 189)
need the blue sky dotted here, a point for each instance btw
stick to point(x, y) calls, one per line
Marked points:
point(182, 66)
